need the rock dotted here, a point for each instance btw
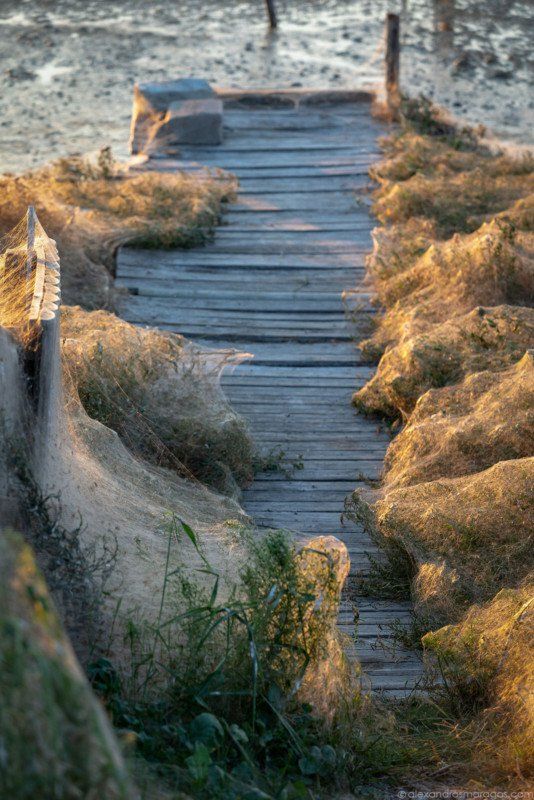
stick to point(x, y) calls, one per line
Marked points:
point(152, 102)
point(500, 74)
point(159, 96)
point(20, 73)
point(191, 122)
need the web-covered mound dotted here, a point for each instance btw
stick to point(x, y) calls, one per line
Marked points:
point(491, 267)
point(161, 393)
point(485, 338)
point(488, 657)
point(90, 207)
point(464, 535)
point(466, 427)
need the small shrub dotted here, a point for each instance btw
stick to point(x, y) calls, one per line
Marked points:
point(215, 709)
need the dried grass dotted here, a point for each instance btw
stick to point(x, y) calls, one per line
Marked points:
point(466, 427)
point(493, 266)
point(92, 209)
point(479, 526)
point(453, 269)
point(483, 339)
point(488, 658)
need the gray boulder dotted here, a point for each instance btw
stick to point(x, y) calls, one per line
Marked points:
point(152, 107)
point(159, 96)
point(191, 122)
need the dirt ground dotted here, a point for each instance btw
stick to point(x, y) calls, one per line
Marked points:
point(67, 67)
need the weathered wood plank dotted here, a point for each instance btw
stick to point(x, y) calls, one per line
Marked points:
point(208, 257)
point(268, 277)
point(252, 301)
point(290, 202)
point(271, 143)
point(326, 182)
point(235, 161)
point(320, 237)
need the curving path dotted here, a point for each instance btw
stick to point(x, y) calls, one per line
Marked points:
point(271, 284)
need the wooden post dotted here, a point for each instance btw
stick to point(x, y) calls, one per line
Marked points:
point(393, 63)
point(273, 22)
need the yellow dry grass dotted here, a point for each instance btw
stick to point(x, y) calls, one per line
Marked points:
point(478, 525)
point(453, 268)
point(491, 267)
point(484, 338)
point(466, 427)
point(91, 209)
point(489, 658)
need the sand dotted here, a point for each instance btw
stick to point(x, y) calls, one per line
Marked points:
point(67, 67)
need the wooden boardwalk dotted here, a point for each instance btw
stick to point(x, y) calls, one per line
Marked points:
point(271, 284)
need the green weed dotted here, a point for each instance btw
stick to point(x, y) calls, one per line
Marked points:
point(214, 709)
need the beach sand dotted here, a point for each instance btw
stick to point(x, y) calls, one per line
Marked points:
point(67, 67)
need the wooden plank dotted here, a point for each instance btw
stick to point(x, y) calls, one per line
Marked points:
point(168, 310)
point(299, 485)
point(243, 385)
point(305, 400)
point(286, 202)
point(228, 334)
point(252, 369)
point(324, 238)
point(208, 256)
point(343, 169)
point(318, 216)
point(327, 448)
point(300, 118)
point(251, 225)
point(206, 157)
point(271, 142)
point(233, 300)
point(327, 182)
point(285, 386)
point(276, 277)
point(313, 249)
point(278, 507)
point(331, 470)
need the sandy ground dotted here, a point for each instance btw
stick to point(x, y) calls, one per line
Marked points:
point(67, 67)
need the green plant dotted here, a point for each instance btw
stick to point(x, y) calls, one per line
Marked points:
point(422, 115)
point(388, 578)
point(275, 460)
point(214, 706)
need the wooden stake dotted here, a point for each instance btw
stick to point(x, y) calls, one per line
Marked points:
point(393, 63)
point(273, 22)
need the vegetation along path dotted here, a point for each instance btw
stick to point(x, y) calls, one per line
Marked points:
point(272, 284)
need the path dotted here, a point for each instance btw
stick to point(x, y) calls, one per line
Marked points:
point(271, 284)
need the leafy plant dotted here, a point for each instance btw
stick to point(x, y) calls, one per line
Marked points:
point(215, 709)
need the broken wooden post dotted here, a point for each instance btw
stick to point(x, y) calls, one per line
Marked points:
point(273, 22)
point(393, 63)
